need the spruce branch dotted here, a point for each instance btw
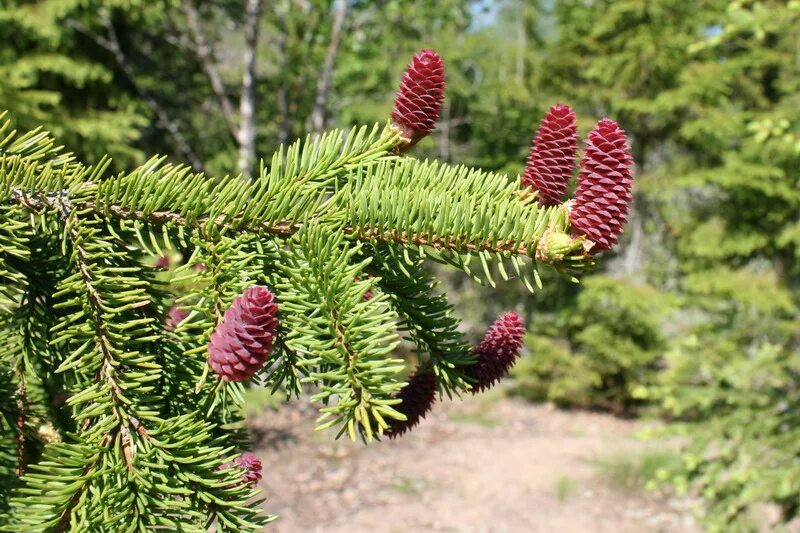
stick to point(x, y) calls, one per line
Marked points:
point(372, 196)
point(338, 226)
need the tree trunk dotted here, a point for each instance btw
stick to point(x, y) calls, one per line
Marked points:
point(324, 85)
point(247, 102)
point(206, 56)
point(284, 124)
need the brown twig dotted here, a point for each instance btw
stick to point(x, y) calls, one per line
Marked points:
point(21, 409)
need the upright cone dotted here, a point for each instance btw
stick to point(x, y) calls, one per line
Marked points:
point(420, 97)
point(243, 341)
point(603, 196)
point(552, 158)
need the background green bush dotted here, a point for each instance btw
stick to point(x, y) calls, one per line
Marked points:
point(608, 345)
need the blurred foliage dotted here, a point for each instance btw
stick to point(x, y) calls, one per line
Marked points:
point(610, 344)
point(635, 471)
point(697, 313)
point(50, 77)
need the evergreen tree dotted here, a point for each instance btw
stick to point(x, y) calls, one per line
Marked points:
point(125, 393)
point(733, 379)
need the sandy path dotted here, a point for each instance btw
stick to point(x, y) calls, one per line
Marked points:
point(472, 466)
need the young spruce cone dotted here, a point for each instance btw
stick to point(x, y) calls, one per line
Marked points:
point(242, 342)
point(251, 466)
point(420, 97)
point(417, 399)
point(497, 352)
point(601, 201)
point(552, 157)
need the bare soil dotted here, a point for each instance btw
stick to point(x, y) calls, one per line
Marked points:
point(477, 465)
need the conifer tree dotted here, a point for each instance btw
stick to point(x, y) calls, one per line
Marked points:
point(123, 394)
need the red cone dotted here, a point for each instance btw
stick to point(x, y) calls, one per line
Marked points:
point(243, 341)
point(251, 466)
point(497, 352)
point(417, 398)
point(175, 316)
point(552, 157)
point(420, 97)
point(604, 186)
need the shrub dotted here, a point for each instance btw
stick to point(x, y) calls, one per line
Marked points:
point(610, 345)
point(732, 390)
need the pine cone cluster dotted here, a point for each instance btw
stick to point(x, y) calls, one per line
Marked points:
point(603, 196)
point(417, 397)
point(497, 351)
point(242, 342)
point(420, 97)
point(552, 158)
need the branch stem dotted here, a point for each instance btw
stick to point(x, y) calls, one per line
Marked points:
point(281, 229)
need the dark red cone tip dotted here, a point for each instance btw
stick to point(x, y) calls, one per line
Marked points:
point(417, 397)
point(603, 197)
point(420, 97)
point(242, 342)
point(250, 464)
point(497, 351)
point(552, 157)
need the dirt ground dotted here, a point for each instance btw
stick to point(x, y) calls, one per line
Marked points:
point(476, 465)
